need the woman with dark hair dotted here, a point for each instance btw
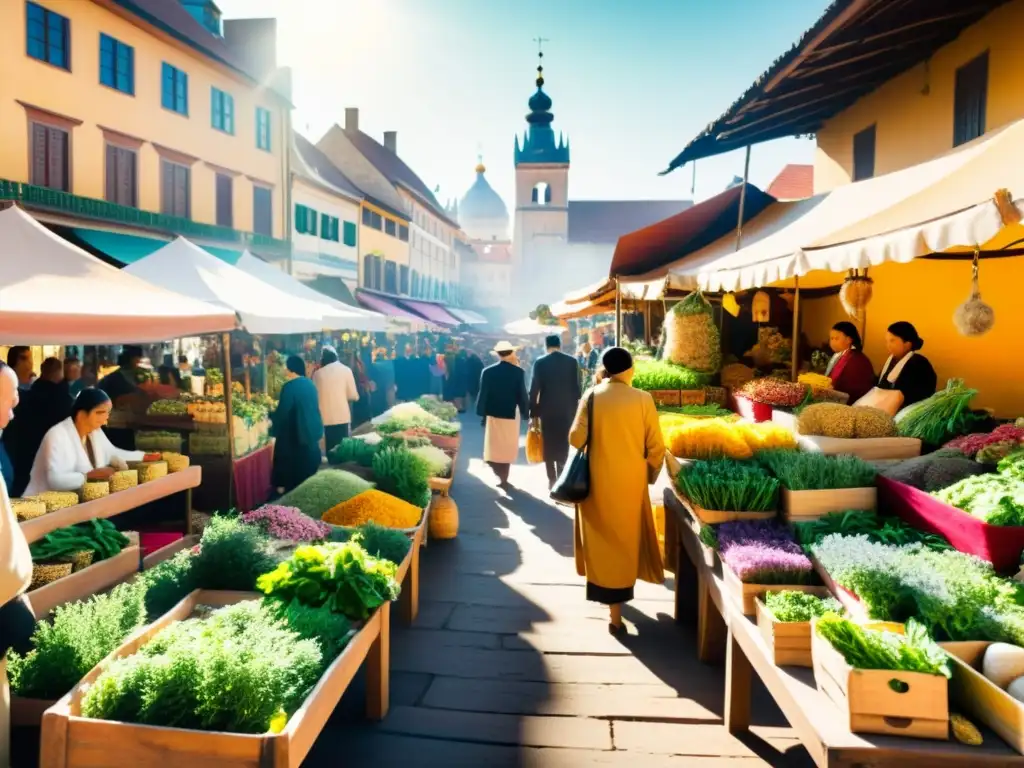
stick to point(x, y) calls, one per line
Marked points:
point(297, 426)
point(907, 371)
point(77, 449)
point(850, 369)
point(615, 538)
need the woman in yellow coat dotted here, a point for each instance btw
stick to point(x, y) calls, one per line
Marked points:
point(616, 542)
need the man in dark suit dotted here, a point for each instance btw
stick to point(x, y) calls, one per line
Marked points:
point(503, 401)
point(554, 396)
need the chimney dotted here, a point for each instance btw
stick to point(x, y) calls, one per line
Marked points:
point(391, 141)
point(351, 118)
point(254, 43)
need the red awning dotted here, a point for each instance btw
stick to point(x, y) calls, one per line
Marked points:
point(386, 306)
point(660, 245)
point(435, 313)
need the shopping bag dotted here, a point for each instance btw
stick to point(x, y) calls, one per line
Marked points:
point(534, 444)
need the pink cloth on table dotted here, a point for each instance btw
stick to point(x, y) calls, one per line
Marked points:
point(151, 541)
point(252, 479)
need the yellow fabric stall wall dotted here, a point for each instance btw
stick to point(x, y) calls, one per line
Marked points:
point(926, 293)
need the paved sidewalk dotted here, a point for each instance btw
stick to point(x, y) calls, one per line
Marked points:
point(508, 665)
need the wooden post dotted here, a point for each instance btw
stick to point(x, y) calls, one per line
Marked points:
point(738, 680)
point(228, 414)
point(743, 200)
point(378, 668)
point(796, 329)
point(648, 336)
point(409, 600)
point(618, 313)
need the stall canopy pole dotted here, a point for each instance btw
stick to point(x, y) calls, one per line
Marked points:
point(226, 344)
point(647, 324)
point(796, 329)
point(743, 200)
point(618, 313)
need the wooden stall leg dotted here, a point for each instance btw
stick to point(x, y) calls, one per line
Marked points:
point(409, 602)
point(738, 679)
point(711, 627)
point(188, 512)
point(671, 541)
point(687, 583)
point(53, 741)
point(378, 669)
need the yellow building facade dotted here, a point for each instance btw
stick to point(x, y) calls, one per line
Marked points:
point(913, 119)
point(124, 143)
point(384, 249)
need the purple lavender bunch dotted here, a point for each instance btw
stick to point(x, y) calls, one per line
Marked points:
point(761, 552)
point(286, 524)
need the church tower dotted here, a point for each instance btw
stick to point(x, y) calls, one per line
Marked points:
point(542, 187)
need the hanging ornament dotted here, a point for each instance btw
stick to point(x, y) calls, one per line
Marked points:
point(730, 305)
point(974, 317)
point(855, 293)
point(761, 307)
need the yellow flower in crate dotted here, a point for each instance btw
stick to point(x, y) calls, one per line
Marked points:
point(374, 506)
point(760, 437)
point(815, 380)
point(707, 438)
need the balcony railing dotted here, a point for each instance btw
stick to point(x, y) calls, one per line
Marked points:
point(41, 198)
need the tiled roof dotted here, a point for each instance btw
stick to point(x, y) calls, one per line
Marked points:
point(317, 162)
point(338, 148)
point(172, 18)
point(794, 182)
point(396, 171)
point(605, 221)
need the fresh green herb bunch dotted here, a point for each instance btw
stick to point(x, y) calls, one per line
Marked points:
point(167, 583)
point(650, 375)
point(404, 475)
point(231, 556)
point(77, 639)
point(941, 417)
point(884, 530)
point(790, 605)
point(710, 410)
point(331, 631)
point(236, 670)
point(995, 499)
point(817, 471)
point(865, 648)
point(352, 451)
point(386, 543)
point(432, 424)
point(98, 536)
point(708, 536)
point(729, 485)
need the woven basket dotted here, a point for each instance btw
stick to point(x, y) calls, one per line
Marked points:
point(28, 509)
point(46, 573)
point(444, 518)
point(82, 560)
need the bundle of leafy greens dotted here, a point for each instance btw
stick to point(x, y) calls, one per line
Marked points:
point(386, 543)
point(817, 471)
point(341, 577)
point(883, 530)
point(78, 638)
point(994, 499)
point(352, 451)
point(729, 485)
point(404, 475)
point(652, 375)
point(870, 649)
point(710, 410)
point(941, 417)
point(790, 605)
point(239, 670)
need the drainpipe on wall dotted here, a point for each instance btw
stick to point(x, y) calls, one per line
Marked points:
point(287, 160)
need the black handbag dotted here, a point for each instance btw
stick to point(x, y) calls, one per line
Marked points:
point(573, 485)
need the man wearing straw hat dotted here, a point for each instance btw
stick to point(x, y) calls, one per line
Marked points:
point(502, 404)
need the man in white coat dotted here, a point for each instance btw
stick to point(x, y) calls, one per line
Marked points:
point(336, 389)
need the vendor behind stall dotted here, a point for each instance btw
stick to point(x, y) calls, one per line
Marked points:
point(77, 450)
point(124, 381)
point(907, 371)
point(850, 369)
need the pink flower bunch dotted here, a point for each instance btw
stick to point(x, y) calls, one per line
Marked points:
point(286, 523)
point(969, 445)
point(775, 392)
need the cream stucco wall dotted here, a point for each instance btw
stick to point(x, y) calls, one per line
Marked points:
point(313, 254)
point(78, 95)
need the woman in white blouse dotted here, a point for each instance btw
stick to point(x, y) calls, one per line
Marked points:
point(77, 450)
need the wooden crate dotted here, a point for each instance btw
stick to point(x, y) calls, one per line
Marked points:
point(981, 699)
point(71, 741)
point(665, 397)
point(800, 506)
point(445, 442)
point(745, 595)
point(789, 642)
point(872, 706)
point(88, 581)
point(692, 397)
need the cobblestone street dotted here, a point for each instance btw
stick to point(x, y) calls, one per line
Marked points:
point(508, 665)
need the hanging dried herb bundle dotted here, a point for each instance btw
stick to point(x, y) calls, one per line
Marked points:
point(691, 337)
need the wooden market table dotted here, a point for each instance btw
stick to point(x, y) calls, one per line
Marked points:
point(723, 630)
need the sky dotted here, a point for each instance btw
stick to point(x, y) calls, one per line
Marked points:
point(632, 81)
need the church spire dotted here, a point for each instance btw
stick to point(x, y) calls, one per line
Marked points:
point(539, 141)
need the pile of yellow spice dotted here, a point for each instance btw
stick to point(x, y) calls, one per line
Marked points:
point(717, 438)
point(374, 507)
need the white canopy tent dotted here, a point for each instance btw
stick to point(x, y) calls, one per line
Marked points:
point(261, 308)
point(945, 204)
point(336, 316)
point(53, 291)
point(527, 326)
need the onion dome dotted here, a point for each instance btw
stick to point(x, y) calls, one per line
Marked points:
point(481, 205)
point(539, 144)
